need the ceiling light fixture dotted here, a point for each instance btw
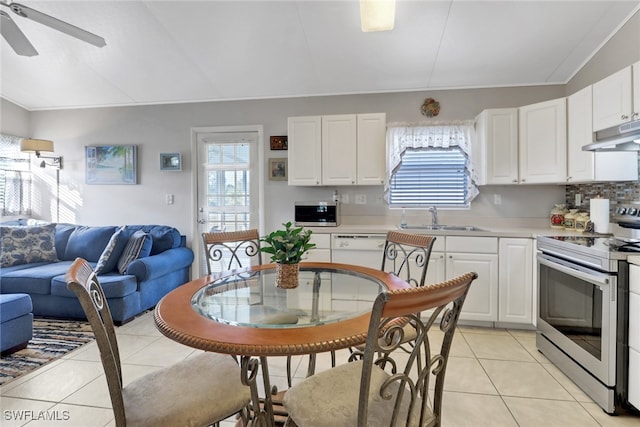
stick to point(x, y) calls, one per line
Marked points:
point(377, 15)
point(36, 146)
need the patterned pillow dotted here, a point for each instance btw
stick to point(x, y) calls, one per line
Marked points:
point(24, 245)
point(138, 246)
point(109, 258)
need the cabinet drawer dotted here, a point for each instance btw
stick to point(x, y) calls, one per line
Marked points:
point(634, 278)
point(478, 245)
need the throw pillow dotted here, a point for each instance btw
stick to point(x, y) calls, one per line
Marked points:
point(24, 245)
point(109, 258)
point(138, 246)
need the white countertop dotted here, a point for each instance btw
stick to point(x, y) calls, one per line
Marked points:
point(491, 228)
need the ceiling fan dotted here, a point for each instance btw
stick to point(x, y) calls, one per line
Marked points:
point(19, 42)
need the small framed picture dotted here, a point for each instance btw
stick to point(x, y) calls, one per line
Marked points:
point(278, 169)
point(170, 162)
point(278, 142)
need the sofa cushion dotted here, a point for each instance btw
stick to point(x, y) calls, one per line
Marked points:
point(138, 246)
point(164, 237)
point(24, 245)
point(109, 258)
point(88, 242)
point(63, 231)
point(14, 306)
point(114, 285)
point(34, 280)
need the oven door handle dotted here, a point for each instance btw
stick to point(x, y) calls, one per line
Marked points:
point(574, 270)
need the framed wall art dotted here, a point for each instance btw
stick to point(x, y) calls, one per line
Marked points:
point(111, 164)
point(170, 162)
point(278, 169)
point(278, 142)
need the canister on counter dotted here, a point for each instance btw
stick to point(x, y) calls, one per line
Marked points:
point(556, 218)
point(582, 220)
point(570, 219)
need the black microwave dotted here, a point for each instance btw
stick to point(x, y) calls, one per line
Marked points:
point(317, 214)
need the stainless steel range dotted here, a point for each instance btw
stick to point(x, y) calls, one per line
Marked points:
point(583, 288)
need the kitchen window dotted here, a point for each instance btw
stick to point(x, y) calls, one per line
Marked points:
point(430, 166)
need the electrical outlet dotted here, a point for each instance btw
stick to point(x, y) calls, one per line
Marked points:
point(169, 199)
point(578, 201)
point(344, 198)
point(497, 199)
point(361, 199)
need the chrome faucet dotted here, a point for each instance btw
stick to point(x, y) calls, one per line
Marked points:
point(434, 215)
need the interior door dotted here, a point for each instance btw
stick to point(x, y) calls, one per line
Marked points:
point(228, 183)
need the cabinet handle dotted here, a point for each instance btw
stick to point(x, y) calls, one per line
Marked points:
point(636, 114)
point(624, 117)
point(524, 180)
point(515, 181)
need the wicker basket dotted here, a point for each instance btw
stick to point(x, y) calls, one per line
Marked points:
point(287, 276)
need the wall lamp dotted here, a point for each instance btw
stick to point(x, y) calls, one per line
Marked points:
point(38, 145)
point(377, 15)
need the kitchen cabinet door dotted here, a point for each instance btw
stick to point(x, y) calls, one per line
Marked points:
point(587, 166)
point(339, 150)
point(481, 303)
point(543, 142)
point(496, 146)
point(371, 148)
point(305, 150)
point(515, 281)
point(613, 99)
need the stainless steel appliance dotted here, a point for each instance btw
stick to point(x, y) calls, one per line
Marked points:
point(624, 137)
point(583, 289)
point(317, 214)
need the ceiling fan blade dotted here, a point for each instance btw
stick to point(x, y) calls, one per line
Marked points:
point(16, 38)
point(56, 24)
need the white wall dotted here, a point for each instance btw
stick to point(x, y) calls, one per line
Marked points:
point(166, 128)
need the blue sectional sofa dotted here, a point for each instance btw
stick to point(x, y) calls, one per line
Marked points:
point(136, 265)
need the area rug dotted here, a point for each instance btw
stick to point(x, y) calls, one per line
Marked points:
point(52, 339)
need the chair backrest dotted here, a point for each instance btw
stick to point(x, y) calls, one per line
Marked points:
point(411, 397)
point(407, 256)
point(229, 250)
point(83, 282)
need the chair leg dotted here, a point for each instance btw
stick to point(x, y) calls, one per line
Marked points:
point(289, 371)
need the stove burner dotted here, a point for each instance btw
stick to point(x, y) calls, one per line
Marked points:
point(623, 245)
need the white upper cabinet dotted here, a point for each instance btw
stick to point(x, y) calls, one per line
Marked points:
point(586, 166)
point(345, 149)
point(616, 98)
point(305, 150)
point(543, 142)
point(496, 147)
point(371, 144)
point(339, 151)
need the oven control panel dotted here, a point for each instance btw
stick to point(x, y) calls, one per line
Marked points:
point(628, 213)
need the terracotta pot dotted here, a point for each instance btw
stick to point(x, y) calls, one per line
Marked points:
point(287, 276)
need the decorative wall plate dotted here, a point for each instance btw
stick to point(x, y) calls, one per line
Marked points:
point(430, 107)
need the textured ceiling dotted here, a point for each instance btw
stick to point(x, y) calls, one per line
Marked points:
point(184, 51)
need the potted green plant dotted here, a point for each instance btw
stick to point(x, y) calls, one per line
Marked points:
point(286, 248)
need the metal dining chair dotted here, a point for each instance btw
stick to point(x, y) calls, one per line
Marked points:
point(227, 250)
point(199, 391)
point(376, 387)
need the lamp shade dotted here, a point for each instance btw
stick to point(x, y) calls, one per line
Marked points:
point(36, 145)
point(377, 15)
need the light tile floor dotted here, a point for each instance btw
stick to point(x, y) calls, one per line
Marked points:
point(495, 377)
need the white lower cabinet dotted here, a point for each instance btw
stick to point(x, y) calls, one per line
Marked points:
point(304, 292)
point(478, 254)
point(515, 281)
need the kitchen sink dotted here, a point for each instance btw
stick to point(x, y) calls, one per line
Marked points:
point(427, 227)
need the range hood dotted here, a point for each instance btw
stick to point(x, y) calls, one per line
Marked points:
point(624, 137)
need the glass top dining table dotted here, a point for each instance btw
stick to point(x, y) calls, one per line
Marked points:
point(243, 312)
point(251, 298)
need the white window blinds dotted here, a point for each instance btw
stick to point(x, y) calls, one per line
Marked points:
point(430, 166)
